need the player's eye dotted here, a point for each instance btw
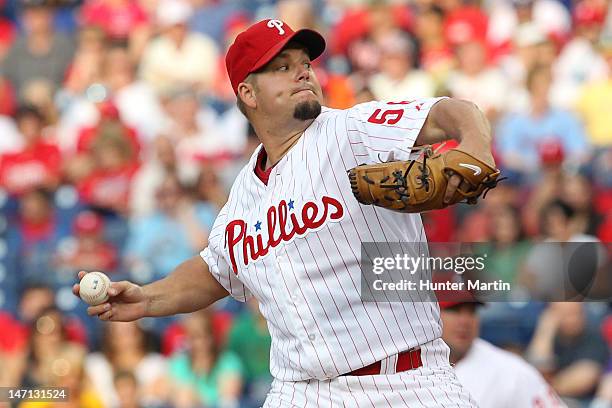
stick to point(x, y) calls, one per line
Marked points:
point(283, 68)
point(307, 65)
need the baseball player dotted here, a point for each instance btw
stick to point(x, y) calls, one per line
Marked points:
point(494, 377)
point(291, 231)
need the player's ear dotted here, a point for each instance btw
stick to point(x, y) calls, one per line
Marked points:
point(246, 93)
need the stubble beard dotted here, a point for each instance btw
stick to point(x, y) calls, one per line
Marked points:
point(307, 110)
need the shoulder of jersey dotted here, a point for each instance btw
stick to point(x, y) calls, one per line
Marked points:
point(327, 112)
point(330, 113)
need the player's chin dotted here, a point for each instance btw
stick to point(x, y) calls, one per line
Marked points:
point(307, 109)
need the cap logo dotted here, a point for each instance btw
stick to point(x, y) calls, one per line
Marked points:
point(276, 24)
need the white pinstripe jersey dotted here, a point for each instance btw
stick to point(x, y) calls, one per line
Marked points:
point(295, 245)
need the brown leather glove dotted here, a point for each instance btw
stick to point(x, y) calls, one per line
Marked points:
point(420, 185)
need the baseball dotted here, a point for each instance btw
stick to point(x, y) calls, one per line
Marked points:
point(94, 287)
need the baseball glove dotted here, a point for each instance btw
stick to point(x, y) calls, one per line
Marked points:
point(420, 185)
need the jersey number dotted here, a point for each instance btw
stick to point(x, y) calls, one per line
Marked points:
point(391, 116)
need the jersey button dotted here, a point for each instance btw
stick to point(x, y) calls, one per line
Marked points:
point(311, 337)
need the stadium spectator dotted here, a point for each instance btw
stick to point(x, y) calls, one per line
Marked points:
point(506, 18)
point(435, 54)
point(508, 247)
point(37, 164)
point(15, 333)
point(520, 136)
point(123, 21)
point(178, 56)
point(194, 133)
point(39, 93)
point(569, 352)
point(250, 341)
point(47, 339)
point(177, 229)
point(35, 299)
point(579, 61)
point(87, 249)
point(160, 164)
point(35, 233)
point(577, 189)
point(554, 271)
point(65, 369)
point(110, 150)
point(594, 99)
point(125, 349)
point(135, 99)
point(397, 79)
point(117, 18)
point(359, 27)
point(209, 188)
point(531, 48)
point(476, 81)
point(550, 183)
point(39, 52)
point(110, 123)
point(204, 374)
point(560, 223)
point(464, 21)
point(85, 68)
point(128, 391)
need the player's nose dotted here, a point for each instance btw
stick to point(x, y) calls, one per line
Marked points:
point(303, 73)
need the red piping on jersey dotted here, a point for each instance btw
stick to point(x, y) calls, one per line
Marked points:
point(260, 165)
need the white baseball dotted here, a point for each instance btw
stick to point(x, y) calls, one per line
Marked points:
point(94, 288)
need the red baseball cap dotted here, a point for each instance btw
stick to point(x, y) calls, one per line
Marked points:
point(458, 298)
point(88, 222)
point(586, 14)
point(551, 152)
point(449, 297)
point(108, 110)
point(259, 44)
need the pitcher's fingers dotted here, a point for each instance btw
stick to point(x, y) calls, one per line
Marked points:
point(81, 274)
point(99, 309)
point(118, 287)
point(453, 183)
point(75, 289)
point(106, 315)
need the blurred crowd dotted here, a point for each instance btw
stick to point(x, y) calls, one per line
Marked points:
point(120, 137)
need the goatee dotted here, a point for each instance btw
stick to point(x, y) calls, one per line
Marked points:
point(307, 110)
